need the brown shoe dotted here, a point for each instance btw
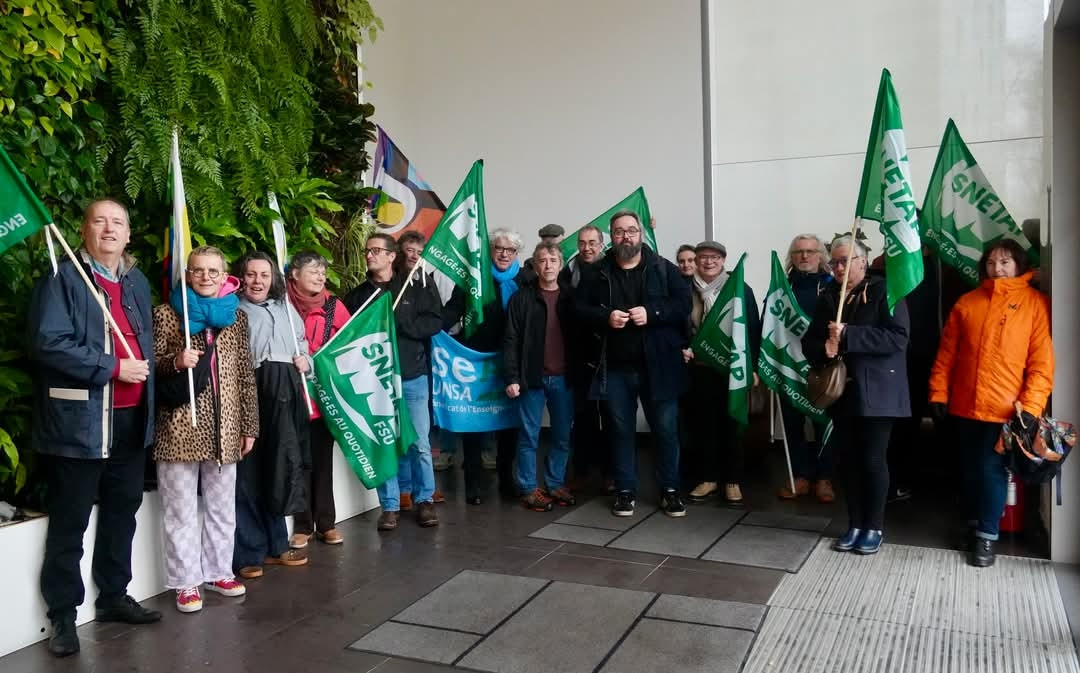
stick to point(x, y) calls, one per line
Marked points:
point(437, 497)
point(732, 493)
point(299, 540)
point(293, 557)
point(387, 521)
point(425, 514)
point(537, 501)
point(405, 499)
point(331, 536)
point(563, 497)
point(802, 487)
point(824, 492)
point(250, 572)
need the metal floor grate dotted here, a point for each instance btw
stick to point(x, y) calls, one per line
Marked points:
point(915, 610)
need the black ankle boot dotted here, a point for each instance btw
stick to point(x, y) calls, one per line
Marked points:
point(982, 553)
point(63, 642)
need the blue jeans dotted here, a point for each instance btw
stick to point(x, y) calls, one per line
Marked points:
point(560, 404)
point(986, 481)
point(807, 461)
point(623, 390)
point(416, 464)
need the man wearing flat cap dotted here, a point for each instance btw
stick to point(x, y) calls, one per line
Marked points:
point(551, 233)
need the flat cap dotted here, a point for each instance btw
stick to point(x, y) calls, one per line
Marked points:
point(711, 245)
point(551, 230)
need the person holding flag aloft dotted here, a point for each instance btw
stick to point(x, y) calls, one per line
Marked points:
point(715, 448)
point(202, 458)
point(871, 340)
point(92, 450)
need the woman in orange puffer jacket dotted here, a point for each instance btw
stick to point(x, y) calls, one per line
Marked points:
point(995, 351)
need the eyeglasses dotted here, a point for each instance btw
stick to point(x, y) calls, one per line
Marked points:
point(212, 274)
point(842, 261)
point(708, 258)
point(375, 251)
point(620, 233)
point(499, 250)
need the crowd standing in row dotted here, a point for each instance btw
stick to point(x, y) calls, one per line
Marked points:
point(588, 339)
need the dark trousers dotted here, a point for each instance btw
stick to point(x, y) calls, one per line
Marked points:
point(862, 443)
point(624, 388)
point(73, 485)
point(589, 436)
point(715, 441)
point(808, 461)
point(986, 479)
point(472, 444)
point(320, 514)
point(906, 434)
point(258, 534)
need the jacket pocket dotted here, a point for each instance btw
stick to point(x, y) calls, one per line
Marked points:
point(74, 394)
point(881, 391)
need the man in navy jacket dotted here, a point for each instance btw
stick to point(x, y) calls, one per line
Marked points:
point(93, 420)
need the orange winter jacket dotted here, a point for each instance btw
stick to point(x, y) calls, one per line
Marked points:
point(995, 350)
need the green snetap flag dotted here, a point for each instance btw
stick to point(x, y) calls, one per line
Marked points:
point(358, 381)
point(459, 247)
point(782, 366)
point(21, 213)
point(722, 342)
point(962, 213)
point(885, 195)
point(636, 202)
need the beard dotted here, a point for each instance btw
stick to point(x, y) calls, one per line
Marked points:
point(627, 251)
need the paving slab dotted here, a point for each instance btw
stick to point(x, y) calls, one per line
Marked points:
point(538, 639)
point(596, 513)
point(764, 547)
point(656, 645)
point(686, 536)
point(815, 524)
point(416, 642)
point(472, 601)
point(579, 534)
point(707, 611)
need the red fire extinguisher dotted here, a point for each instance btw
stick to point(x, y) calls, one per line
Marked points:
point(1012, 521)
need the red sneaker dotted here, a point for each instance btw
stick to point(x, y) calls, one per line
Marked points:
point(229, 587)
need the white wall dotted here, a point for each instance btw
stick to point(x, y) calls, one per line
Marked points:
point(793, 92)
point(572, 105)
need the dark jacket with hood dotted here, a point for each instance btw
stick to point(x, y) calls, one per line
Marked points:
point(488, 337)
point(526, 326)
point(417, 318)
point(666, 299)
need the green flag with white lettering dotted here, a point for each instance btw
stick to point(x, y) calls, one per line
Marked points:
point(782, 366)
point(636, 202)
point(886, 197)
point(722, 342)
point(962, 213)
point(21, 213)
point(358, 385)
point(459, 247)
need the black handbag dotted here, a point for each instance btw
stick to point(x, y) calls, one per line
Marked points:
point(171, 390)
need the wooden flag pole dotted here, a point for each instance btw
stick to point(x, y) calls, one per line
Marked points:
point(93, 290)
point(847, 267)
point(787, 455)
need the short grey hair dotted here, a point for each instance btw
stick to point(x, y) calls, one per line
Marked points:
point(860, 249)
point(512, 237)
point(823, 264)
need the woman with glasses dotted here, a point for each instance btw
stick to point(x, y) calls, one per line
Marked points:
point(871, 340)
point(203, 457)
point(809, 276)
point(509, 275)
point(323, 315)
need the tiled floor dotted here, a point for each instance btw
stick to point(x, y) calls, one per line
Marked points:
point(304, 619)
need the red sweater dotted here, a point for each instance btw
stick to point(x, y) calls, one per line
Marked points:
point(125, 395)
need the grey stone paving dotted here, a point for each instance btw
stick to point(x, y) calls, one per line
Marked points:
point(764, 547)
point(579, 534)
point(815, 524)
point(472, 601)
point(688, 536)
point(706, 611)
point(596, 513)
point(416, 642)
point(656, 645)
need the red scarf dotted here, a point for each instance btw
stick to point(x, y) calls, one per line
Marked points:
point(306, 303)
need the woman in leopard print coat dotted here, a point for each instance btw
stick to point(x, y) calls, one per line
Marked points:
point(204, 457)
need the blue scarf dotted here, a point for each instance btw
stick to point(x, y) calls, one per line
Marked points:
point(505, 279)
point(203, 312)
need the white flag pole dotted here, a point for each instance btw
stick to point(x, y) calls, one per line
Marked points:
point(179, 209)
point(419, 265)
point(787, 455)
point(280, 248)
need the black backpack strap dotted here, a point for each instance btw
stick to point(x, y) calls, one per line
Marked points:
point(330, 307)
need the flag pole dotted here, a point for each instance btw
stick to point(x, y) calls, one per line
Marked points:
point(369, 300)
point(847, 267)
point(772, 415)
point(787, 449)
point(93, 290)
point(405, 285)
point(296, 345)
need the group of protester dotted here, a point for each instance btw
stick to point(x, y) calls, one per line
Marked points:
point(588, 339)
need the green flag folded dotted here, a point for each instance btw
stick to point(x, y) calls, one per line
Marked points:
point(636, 202)
point(358, 381)
point(885, 195)
point(21, 213)
point(722, 342)
point(782, 366)
point(962, 213)
point(459, 247)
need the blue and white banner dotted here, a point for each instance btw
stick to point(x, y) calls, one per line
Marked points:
point(468, 390)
